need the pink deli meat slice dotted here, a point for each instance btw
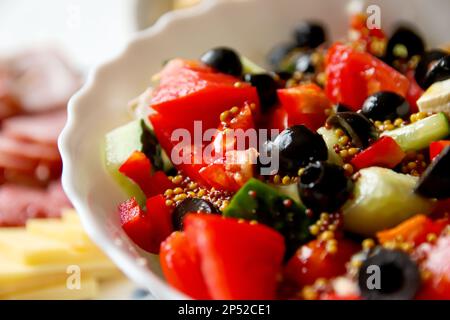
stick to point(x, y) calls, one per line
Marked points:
point(43, 128)
point(41, 80)
point(25, 149)
point(20, 203)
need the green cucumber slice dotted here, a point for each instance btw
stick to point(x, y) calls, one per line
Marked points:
point(121, 142)
point(420, 134)
point(250, 67)
point(382, 198)
point(331, 140)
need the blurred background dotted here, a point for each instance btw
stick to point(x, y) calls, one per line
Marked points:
point(47, 47)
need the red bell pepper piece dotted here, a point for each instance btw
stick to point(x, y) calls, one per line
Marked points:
point(415, 230)
point(385, 152)
point(352, 76)
point(160, 217)
point(180, 263)
point(146, 228)
point(313, 261)
point(239, 260)
point(139, 169)
point(135, 223)
point(436, 147)
point(305, 104)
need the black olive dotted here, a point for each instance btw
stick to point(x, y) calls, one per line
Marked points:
point(435, 181)
point(309, 35)
point(360, 129)
point(439, 72)
point(267, 89)
point(304, 63)
point(190, 205)
point(324, 187)
point(427, 60)
point(281, 77)
point(342, 108)
point(404, 44)
point(296, 147)
point(385, 105)
point(224, 60)
point(278, 53)
point(389, 275)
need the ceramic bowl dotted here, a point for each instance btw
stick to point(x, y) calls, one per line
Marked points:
point(251, 26)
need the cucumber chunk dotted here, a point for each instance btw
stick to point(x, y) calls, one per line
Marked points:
point(420, 134)
point(251, 67)
point(331, 140)
point(382, 199)
point(122, 142)
point(290, 190)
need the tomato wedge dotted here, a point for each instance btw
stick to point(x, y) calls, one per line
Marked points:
point(371, 40)
point(190, 91)
point(180, 263)
point(239, 260)
point(385, 152)
point(352, 76)
point(437, 286)
point(312, 261)
point(305, 104)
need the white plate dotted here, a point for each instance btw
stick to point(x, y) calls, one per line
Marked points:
point(252, 27)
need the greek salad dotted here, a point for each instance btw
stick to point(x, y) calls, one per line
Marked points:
point(293, 182)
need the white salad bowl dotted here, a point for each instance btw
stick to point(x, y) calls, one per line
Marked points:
point(250, 26)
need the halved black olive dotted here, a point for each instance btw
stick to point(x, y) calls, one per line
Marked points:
point(324, 187)
point(404, 44)
point(267, 89)
point(385, 105)
point(360, 129)
point(435, 181)
point(439, 72)
point(281, 77)
point(278, 53)
point(389, 275)
point(309, 35)
point(427, 60)
point(340, 107)
point(190, 205)
point(296, 147)
point(224, 60)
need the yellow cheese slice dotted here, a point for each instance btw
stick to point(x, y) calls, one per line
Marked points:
point(35, 249)
point(70, 216)
point(16, 276)
point(59, 291)
point(56, 229)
